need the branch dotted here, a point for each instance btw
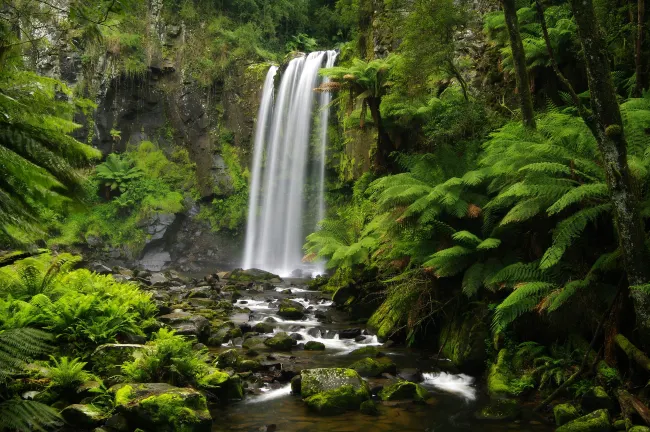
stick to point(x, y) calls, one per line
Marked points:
point(632, 352)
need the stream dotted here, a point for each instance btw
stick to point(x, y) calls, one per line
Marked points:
point(269, 405)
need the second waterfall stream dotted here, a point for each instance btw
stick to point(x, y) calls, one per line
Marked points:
point(278, 216)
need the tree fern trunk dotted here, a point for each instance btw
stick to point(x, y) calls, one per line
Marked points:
point(640, 75)
point(384, 143)
point(519, 60)
point(613, 148)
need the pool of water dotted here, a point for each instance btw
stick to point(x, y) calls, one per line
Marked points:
point(456, 397)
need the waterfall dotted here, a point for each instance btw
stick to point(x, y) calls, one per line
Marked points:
point(276, 214)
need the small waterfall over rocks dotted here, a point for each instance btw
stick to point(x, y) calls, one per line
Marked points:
point(277, 224)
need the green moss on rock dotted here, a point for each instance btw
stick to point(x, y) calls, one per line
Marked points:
point(404, 390)
point(369, 367)
point(344, 398)
point(369, 350)
point(320, 380)
point(228, 358)
point(281, 341)
point(499, 376)
point(499, 410)
point(564, 413)
point(369, 407)
point(314, 346)
point(639, 429)
point(465, 340)
point(291, 309)
point(597, 421)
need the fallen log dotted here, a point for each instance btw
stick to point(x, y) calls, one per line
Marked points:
point(631, 403)
point(633, 352)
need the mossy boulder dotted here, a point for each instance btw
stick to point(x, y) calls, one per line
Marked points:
point(314, 346)
point(597, 421)
point(499, 410)
point(291, 309)
point(162, 407)
point(464, 340)
point(369, 407)
point(369, 350)
point(249, 365)
point(228, 358)
point(369, 367)
point(263, 327)
point(314, 381)
point(564, 413)
point(597, 398)
point(107, 359)
point(83, 416)
point(281, 341)
point(253, 342)
point(187, 324)
point(252, 275)
point(499, 376)
point(404, 390)
point(639, 429)
point(337, 401)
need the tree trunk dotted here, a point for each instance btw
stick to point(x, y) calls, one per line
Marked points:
point(519, 61)
point(640, 73)
point(613, 149)
point(384, 143)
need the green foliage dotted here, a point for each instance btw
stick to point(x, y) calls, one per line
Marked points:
point(66, 374)
point(18, 346)
point(116, 173)
point(26, 415)
point(170, 358)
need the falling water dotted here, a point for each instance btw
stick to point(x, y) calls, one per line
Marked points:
point(275, 228)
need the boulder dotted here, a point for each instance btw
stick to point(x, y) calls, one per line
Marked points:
point(639, 429)
point(499, 410)
point(404, 390)
point(597, 421)
point(221, 384)
point(369, 367)
point(499, 377)
point(281, 341)
point(564, 413)
point(333, 390)
point(253, 342)
point(464, 340)
point(597, 398)
point(369, 407)
point(263, 327)
point(228, 358)
point(187, 324)
point(350, 333)
point(291, 309)
point(249, 365)
point(83, 416)
point(162, 407)
point(314, 346)
point(107, 359)
point(251, 275)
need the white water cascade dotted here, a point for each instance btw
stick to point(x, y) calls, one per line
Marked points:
point(276, 224)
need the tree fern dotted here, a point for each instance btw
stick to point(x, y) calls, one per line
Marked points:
point(524, 298)
point(18, 346)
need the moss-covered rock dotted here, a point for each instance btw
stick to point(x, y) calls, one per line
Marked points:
point(564, 413)
point(253, 342)
point(107, 359)
point(369, 367)
point(597, 421)
point(339, 400)
point(404, 390)
point(228, 358)
point(249, 365)
point(187, 324)
point(499, 410)
point(464, 340)
point(639, 429)
point(296, 383)
point(369, 350)
point(314, 381)
point(281, 341)
point(369, 407)
point(215, 379)
point(252, 275)
point(83, 416)
point(314, 346)
point(499, 377)
point(163, 407)
point(263, 327)
point(291, 309)
point(597, 398)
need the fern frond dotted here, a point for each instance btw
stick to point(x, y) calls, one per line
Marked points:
point(522, 300)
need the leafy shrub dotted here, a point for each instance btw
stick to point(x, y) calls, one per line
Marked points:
point(66, 374)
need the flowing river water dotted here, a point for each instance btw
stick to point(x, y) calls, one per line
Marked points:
point(269, 405)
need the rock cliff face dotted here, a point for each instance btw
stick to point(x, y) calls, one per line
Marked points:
point(161, 104)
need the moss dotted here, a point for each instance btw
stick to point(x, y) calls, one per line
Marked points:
point(499, 376)
point(367, 350)
point(182, 414)
point(336, 401)
point(404, 390)
point(314, 346)
point(369, 407)
point(639, 429)
point(215, 379)
point(465, 339)
point(249, 365)
point(290, 309)
point(280, 341)
point(499, 409)
point(314, 381)
point(597, 421)
point(228, 358)
point(368, 367)
point(564, 413)
point(124, 395)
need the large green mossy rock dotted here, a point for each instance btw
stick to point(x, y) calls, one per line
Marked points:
point(564, 413)
point(314, 381)
point(337, 401)
point(162, 407)
point(314, 346)
point(404, 390)
point(229, 358)
point(83, 416)
point(499, 377)
point(107, 359)
point(291, 309)
point(223, 385)
point(639, 429)
point(464, 340)
point(369, 350)
point(369, 367)
point(597, 421)
point(252, 275)
point(281, 341)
